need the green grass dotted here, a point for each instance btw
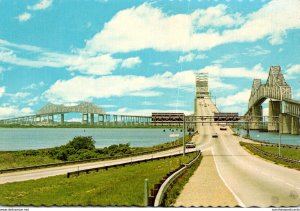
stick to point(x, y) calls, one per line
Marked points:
point(122, 186)
point(18, 159)
point(24, 158)
point(286, 152)
point(174, 191)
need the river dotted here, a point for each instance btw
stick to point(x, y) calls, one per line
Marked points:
point(272, 137)
point(38, 138)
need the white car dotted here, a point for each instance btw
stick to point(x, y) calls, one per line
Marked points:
point(190, 145)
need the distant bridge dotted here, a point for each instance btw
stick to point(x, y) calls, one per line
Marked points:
point(90, 114)
point(284, 112)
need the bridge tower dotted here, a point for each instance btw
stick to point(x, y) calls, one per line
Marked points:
point(201, 88)
point(283, 111)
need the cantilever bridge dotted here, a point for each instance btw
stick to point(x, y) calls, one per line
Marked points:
point(284, 112)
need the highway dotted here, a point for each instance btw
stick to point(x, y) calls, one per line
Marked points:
point(54, 171)
point(252, 180)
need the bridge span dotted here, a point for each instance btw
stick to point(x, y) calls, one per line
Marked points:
point(284, 112)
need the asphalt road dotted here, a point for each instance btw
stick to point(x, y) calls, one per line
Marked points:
point(252, 180)
point(54, 171)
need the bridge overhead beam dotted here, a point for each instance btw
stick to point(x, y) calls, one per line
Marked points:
point(295, 125)
point(285, 123)
point(274, 111)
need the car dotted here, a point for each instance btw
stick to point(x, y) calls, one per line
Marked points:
point(214, 135)
point(190, 145)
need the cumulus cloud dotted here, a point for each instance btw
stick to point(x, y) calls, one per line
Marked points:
point(24, 17)
point(11, 111)
point(131, 62)
point(41, 5)
point(191, 57)
point(293, 71)
point(235, 72)
point(100, 64)
point(241, 97)
point(150, 27)
point(85, 88)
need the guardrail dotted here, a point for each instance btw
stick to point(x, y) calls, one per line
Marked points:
point(85, 160)
point(106, 167)
point(275, 156)
point(170, 180)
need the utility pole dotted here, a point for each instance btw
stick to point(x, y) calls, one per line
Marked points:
point(183, 151)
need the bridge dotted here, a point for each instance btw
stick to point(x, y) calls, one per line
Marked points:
point(90, 114)
point(284, 112)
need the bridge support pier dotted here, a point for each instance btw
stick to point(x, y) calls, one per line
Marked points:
point(274, 111)
point(92, 118)
point(84, 118)
point(294, 125)
point(62, 119)
point(284, 123)
point(257, 117)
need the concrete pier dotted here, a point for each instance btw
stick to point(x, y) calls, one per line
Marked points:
point(284, 123)
point(295, 125)
point(62, 119)
point(274, 111)
point(256, 117)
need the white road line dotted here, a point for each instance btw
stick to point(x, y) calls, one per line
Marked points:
point(229, 188)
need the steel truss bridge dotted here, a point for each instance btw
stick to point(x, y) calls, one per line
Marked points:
point(281, 104)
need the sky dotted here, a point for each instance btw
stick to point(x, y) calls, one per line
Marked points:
point(138, 57)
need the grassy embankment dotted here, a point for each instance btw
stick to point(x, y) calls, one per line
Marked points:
point(174, 191)
point(286, 152)
point(77, 149)
point(122, 186)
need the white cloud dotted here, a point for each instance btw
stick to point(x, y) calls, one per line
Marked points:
point(152, 28)
point(236, 72)
point(24, 17)
point(257, 51)
point(241, 97)
point(85, 88)
point(160, 64)
point(131, 62)
point(101, 64)
point(15, 97)
point(217, 17)
point(293, 71)
point(175, 104)
point(11, 111)
point(2, 91)
point(186, 58)
point(43, 4)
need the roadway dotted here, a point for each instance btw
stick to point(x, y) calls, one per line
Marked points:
point(54, 171)
point(251, 180)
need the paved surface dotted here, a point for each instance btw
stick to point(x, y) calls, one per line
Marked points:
point(251, 180)
point(53, 171)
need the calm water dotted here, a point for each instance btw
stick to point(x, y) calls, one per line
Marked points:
point(272, 137)
point(37, 138)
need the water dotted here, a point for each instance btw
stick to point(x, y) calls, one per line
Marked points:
point(272, 137)
point(38, 138)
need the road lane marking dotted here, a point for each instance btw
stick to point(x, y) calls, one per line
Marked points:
point(229, 188)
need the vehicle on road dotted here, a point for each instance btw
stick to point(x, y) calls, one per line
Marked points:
point(190, 145)
point(223, 126)
point(215, 135)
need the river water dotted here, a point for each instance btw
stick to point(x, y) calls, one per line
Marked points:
point(272, 137)
point(38, 138)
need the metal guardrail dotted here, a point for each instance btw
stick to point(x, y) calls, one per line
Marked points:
point(275, 156)
point(106, 167)
point(166, 184)
point(84, 161)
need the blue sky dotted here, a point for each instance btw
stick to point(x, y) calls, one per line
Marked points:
point(135, 57)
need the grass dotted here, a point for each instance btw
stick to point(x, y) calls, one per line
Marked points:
point(14, 159)
point(174, 190)
point(286, 152)
point(122, 186)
